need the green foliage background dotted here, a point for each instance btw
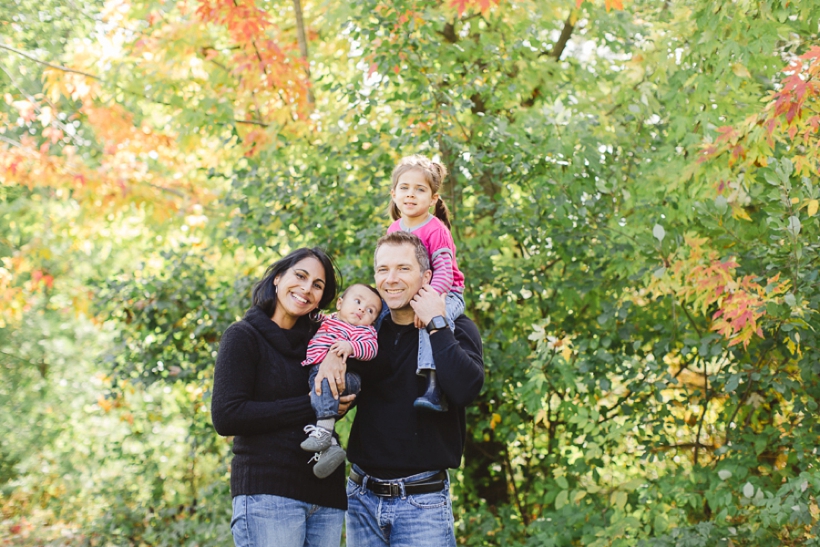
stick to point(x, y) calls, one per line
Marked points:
point(613, 414)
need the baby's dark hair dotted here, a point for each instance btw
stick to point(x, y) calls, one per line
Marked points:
point(372, 289)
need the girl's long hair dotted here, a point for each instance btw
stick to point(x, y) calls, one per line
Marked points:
point(434, 173)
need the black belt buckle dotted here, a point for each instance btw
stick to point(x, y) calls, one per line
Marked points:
point(392, 490)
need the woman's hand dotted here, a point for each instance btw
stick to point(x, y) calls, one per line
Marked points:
point(333, 368)
point(344, 404)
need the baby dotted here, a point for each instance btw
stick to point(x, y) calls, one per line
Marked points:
point(348, 332)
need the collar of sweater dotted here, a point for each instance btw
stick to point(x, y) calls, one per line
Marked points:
point(288, 342)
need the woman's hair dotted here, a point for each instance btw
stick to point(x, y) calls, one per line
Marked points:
point(264, 293)
point(434, 173)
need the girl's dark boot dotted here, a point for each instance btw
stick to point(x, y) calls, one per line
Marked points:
point(433, 399)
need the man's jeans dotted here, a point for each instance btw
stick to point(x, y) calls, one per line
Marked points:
point(325, 405)
point(273, 520)
point(418, 520)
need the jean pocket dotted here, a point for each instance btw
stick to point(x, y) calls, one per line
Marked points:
point(432, 500)
point(352, 488)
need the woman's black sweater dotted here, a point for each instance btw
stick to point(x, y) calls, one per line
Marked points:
point(261, 396)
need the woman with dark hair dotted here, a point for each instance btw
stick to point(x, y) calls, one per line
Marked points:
point(261, 396)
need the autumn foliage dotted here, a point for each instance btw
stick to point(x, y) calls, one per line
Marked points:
point(635, 195)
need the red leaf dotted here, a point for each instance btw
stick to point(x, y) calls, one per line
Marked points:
point(813, 53)
point(460, 5)
point(726, 133)
point(793, 111)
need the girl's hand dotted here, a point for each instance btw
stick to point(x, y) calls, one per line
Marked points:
point(333, 368)
point(342, 348)
point(418, 323)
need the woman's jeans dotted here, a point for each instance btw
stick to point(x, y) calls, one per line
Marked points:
point(325, 405)
point(417, 520)
point(454, 307)
point(274, 521)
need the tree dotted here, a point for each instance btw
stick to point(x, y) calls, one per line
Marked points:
point(635, 198)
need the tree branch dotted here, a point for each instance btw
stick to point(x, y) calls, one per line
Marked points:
point(103, 80)
point(508, 464)
point(303, 49)
point(50, 65)
point(561, 44)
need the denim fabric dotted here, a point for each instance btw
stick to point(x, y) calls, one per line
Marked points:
point(419, 520)
point(382, 314)
point(325, 405)
point(273, 521)
point(454, 307)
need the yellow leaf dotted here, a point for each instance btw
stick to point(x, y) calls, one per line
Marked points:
point(495, 420)
point(813, 205)
point(566, 353)
point(618, 499)
point(740, 213)
point(782, 460)
point(795, 201)
point(741, 71)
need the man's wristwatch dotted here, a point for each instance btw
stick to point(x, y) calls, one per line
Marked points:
point(436, 323)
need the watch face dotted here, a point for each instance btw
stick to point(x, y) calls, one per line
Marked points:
point(438, 322)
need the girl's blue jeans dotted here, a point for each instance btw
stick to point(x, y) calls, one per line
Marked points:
point(455, 307)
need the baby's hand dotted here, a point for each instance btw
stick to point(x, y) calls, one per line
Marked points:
point(419, 324)
point(343, 349)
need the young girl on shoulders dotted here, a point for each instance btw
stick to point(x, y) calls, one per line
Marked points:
point(417, 181)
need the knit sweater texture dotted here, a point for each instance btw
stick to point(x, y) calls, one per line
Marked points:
point(389, 437)
point(261, 398)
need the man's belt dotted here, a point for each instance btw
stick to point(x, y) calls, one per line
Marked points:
point(391, 489)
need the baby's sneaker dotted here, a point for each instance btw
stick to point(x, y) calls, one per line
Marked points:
point(328, 460)
point(318, 439)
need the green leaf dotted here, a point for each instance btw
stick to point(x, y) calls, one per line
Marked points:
point(659, 232)
point(561, 499)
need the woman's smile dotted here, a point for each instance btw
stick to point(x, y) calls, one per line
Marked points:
point(298, 291)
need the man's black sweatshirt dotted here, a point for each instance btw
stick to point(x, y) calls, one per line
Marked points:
point(390, 438)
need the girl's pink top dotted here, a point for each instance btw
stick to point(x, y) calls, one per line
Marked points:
point(442, 251)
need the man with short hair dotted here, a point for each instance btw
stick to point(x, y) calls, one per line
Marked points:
point(398, 492)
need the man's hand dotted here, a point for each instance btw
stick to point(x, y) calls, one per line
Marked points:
point(427, 304)
point(342, 348)
point(344, 404)
point(333, 368)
